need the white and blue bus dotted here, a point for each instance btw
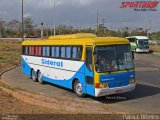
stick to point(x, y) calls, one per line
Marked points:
point(84, 63)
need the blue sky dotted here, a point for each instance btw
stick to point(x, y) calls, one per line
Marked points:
point(80, 13)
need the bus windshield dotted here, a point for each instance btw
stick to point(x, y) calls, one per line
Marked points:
point(143, 43)
point(112, 58)
point(132, 40)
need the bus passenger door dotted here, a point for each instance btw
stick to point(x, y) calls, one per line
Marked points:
point(89, 76)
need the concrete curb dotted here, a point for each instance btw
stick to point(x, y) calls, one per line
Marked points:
point(55, 104)
point(11, 68)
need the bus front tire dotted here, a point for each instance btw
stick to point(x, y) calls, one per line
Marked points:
point(78, 89)
point(33, 75)
point(39, 77)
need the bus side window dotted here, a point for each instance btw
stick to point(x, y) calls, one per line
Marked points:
point(31, 50)
point(68, 52)
point(74, 52)
point(53, 51)
point(57, 52)
point(25, 50)
point(47, 51)
point(89, 58)
point(43, 51)
point(39, 51)
point(79, 55)
point(36, 50)
point(63, 52)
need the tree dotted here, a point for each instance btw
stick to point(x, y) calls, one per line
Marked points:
point(101, 30)
point(13, 28)
point(29, 26)
point(2, 28)
point(139, 31)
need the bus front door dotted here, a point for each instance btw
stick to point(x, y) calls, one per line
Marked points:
point(89, 75)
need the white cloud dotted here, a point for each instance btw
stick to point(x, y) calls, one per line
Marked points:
point(77, 12)
point(86, 2)
point(27, 15)
point(3, 12)
point(48, 3)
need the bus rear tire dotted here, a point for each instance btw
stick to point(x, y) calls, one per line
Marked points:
point(78, 89)
point(39, 77)
point(33, 75)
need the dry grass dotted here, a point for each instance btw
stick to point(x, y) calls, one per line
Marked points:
point(9, 54)
point(155, 48)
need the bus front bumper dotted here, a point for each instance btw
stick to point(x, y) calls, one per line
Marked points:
point(109, 91)
point(142, 50)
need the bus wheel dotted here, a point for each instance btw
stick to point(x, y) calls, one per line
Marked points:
point(39, 76)
point(33, 75)
point(78, 89)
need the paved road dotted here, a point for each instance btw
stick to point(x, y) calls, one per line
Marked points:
point(145, 99)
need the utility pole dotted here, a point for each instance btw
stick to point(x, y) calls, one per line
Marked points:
point(103, 25)
point(41, 30)
point(51, 28)
point(97, 19)
point(22, 24)
point(150, 24)
point(0, 29)
point(54, 18)
point(0, 34)
point(103, 21)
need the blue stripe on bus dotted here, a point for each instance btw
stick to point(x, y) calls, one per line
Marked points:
point(26, 69)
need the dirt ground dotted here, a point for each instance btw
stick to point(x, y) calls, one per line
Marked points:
point(10, 56)
point(35, 104)
point(57, 109)
point(8, 104)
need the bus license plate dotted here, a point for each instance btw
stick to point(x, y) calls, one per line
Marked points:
point(118, 91)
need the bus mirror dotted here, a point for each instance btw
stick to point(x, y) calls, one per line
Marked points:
point(132, 54)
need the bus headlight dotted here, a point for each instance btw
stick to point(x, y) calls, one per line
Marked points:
point(103, 85)
point(132, 81)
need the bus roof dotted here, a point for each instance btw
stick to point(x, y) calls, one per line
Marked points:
point(138, 37)
point(72, 36)
point(77, 39)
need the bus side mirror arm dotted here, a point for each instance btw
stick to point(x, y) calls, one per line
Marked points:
point(95, 58)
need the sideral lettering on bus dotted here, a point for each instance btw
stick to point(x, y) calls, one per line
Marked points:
point(139, 4)
point(52, 63)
